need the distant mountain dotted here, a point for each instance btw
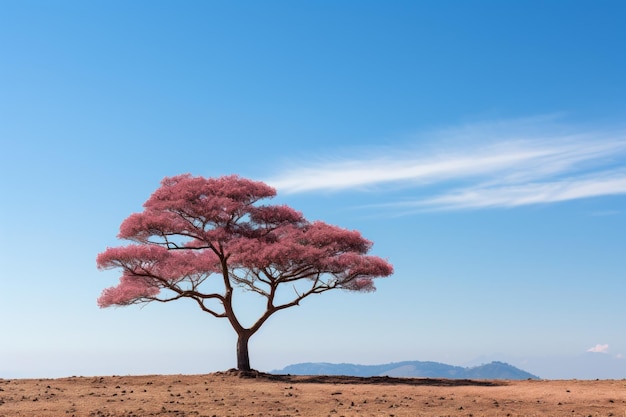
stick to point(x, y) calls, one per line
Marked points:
point(587, 365)
point(410, 369)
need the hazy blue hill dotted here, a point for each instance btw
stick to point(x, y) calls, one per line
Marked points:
point(493, 370)
point(497, 370)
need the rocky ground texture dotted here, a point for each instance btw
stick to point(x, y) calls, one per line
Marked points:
point(262, 395)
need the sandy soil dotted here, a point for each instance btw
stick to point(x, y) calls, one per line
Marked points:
point(231, 394)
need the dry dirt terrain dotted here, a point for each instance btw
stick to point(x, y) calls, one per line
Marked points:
point(262, 395)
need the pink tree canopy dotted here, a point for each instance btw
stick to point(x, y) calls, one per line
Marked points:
point(196, 229)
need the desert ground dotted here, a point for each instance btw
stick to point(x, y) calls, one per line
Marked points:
point(261, 395)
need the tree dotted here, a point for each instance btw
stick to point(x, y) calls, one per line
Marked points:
point(195, 232)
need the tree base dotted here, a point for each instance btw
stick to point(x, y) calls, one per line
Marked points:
point(253, 373)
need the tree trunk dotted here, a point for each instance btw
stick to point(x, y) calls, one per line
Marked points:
point(243, 358)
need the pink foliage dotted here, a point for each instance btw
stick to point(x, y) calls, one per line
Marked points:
point(192, 226)
point(323, 235)
point(320, 247)
point(114, 257)
point(152, 267)
point(213, 198)
point(140, 226)
point(130, 289)
point(156, 261)
point(360, 284)
point(275, 215)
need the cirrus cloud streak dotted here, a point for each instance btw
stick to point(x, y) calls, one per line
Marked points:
point(495, 167)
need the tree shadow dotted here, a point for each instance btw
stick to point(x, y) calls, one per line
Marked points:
point(358, 380)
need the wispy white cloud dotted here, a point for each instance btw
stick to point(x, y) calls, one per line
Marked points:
point(503, 164)
point(511, 195)
point(599, 349)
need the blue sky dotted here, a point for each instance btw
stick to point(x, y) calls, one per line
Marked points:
point(480, 145)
